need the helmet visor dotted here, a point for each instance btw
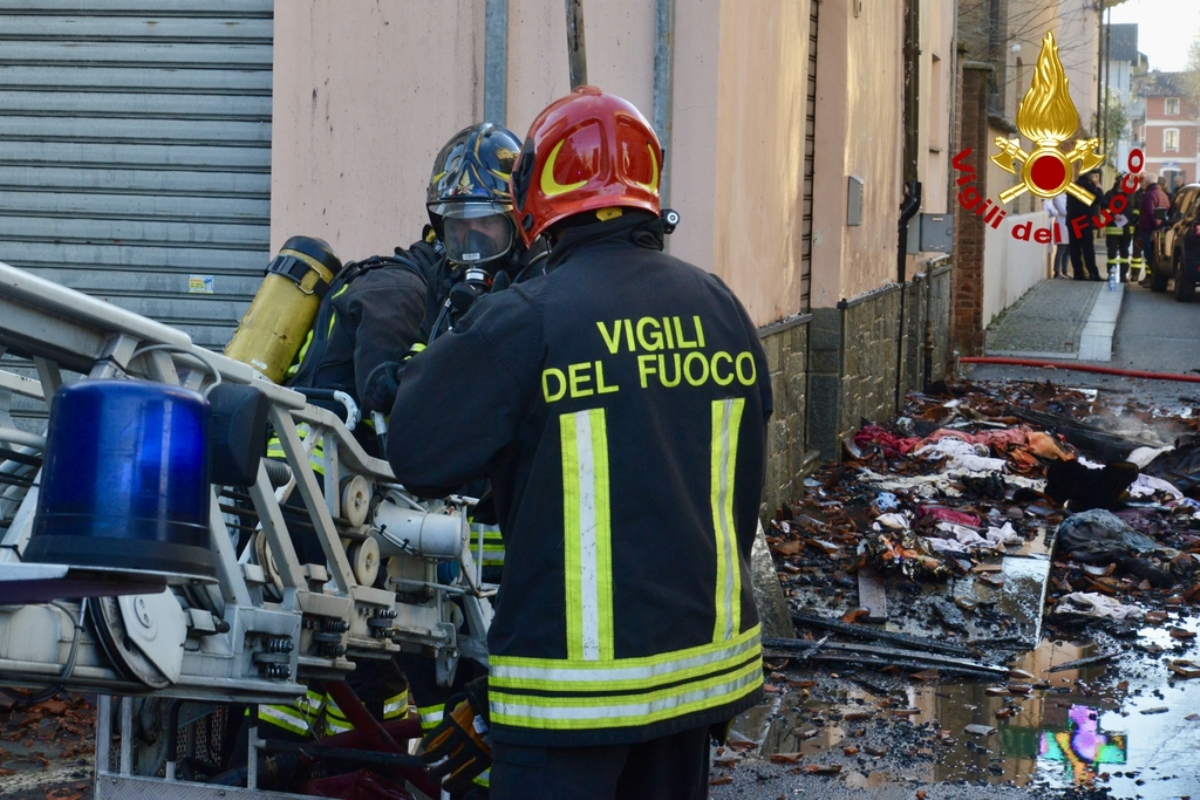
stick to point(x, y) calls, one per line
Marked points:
point(475, 233)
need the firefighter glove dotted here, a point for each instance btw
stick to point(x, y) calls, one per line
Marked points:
point(381, 387)
point(459, 748)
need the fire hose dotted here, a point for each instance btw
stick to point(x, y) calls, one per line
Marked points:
point(1040, 363)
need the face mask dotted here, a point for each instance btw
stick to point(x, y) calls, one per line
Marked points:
point(476, 240)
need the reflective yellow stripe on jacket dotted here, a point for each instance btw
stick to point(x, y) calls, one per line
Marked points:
point(726, 420)
point(592, 688)
point(588, 544)
point(295, 367)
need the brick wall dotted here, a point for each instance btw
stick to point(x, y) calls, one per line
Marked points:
point(966, 315)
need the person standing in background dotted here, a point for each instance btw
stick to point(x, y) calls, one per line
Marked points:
point(1056, 208)
point(1153, 207)
point(1081, 227)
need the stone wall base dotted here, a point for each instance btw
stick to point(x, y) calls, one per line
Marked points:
point(857, 348)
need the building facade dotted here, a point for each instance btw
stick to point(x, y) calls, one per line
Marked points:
point(157, 157)
point(1169, 129)
point(776, 119)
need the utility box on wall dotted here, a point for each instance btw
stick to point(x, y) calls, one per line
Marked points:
point(931, 233)
point(854, 200)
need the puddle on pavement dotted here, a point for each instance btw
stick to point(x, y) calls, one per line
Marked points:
point(1078, 729)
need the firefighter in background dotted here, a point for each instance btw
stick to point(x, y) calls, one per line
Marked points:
point(1118, 234)
point(470, 214)
point(474, 237)
point(378, 313)
point(475, 250)
point(373, 312)
point(619, 406)
point(1137, 260)
point(471, 224)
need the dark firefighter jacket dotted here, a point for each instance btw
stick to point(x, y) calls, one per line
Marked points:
point(1077, 209)
point(618, 405)
point(373, 319)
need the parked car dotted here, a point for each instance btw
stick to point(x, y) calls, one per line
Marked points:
point(1177, 246)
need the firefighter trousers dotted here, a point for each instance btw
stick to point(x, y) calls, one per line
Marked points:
point(673, 767)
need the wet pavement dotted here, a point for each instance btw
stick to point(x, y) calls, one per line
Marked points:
point(47, 748)
point(1128, 727)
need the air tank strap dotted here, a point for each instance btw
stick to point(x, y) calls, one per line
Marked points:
point(300, 272)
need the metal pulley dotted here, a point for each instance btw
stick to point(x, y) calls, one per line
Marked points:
point(142, 635)
point(364, 560)
point(356, 500)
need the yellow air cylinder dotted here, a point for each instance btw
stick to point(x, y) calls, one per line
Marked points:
point(283, 310)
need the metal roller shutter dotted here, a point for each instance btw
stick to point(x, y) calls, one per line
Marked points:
point(135, 152)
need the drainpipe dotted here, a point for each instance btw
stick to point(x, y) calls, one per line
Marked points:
point(908, 210)
point(576, 49)
point(912, 185)
point(495, 63)
point(664, 87)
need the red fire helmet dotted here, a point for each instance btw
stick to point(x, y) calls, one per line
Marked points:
point(586, 151)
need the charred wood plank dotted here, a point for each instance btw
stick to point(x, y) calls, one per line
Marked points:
point(871, 634)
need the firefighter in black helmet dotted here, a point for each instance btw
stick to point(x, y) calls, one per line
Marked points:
point(471, 236)
point(380, 311)
point(474, 244)
point(470, 210)
point(618, 404)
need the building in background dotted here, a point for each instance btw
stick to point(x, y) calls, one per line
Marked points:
point(1169, 128)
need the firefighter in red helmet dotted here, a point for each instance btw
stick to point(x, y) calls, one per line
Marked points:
point(618, 405)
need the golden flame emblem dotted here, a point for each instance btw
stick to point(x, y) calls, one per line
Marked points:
point(1046, 116)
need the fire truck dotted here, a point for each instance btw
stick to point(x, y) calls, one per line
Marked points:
point(147, 551)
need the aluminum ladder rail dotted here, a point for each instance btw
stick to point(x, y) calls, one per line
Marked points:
point(245, 642)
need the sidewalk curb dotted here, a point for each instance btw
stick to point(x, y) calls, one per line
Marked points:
point(1096, 339)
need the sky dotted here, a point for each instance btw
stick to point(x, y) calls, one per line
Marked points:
point(1165, 29)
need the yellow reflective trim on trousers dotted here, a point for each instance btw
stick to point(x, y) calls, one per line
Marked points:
point(396, 705)
point(286, 717)
point(431, 716)
point(589, 713)
point(493, 544)
point(618, 677)
point(587, 535)
point(726, 421)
